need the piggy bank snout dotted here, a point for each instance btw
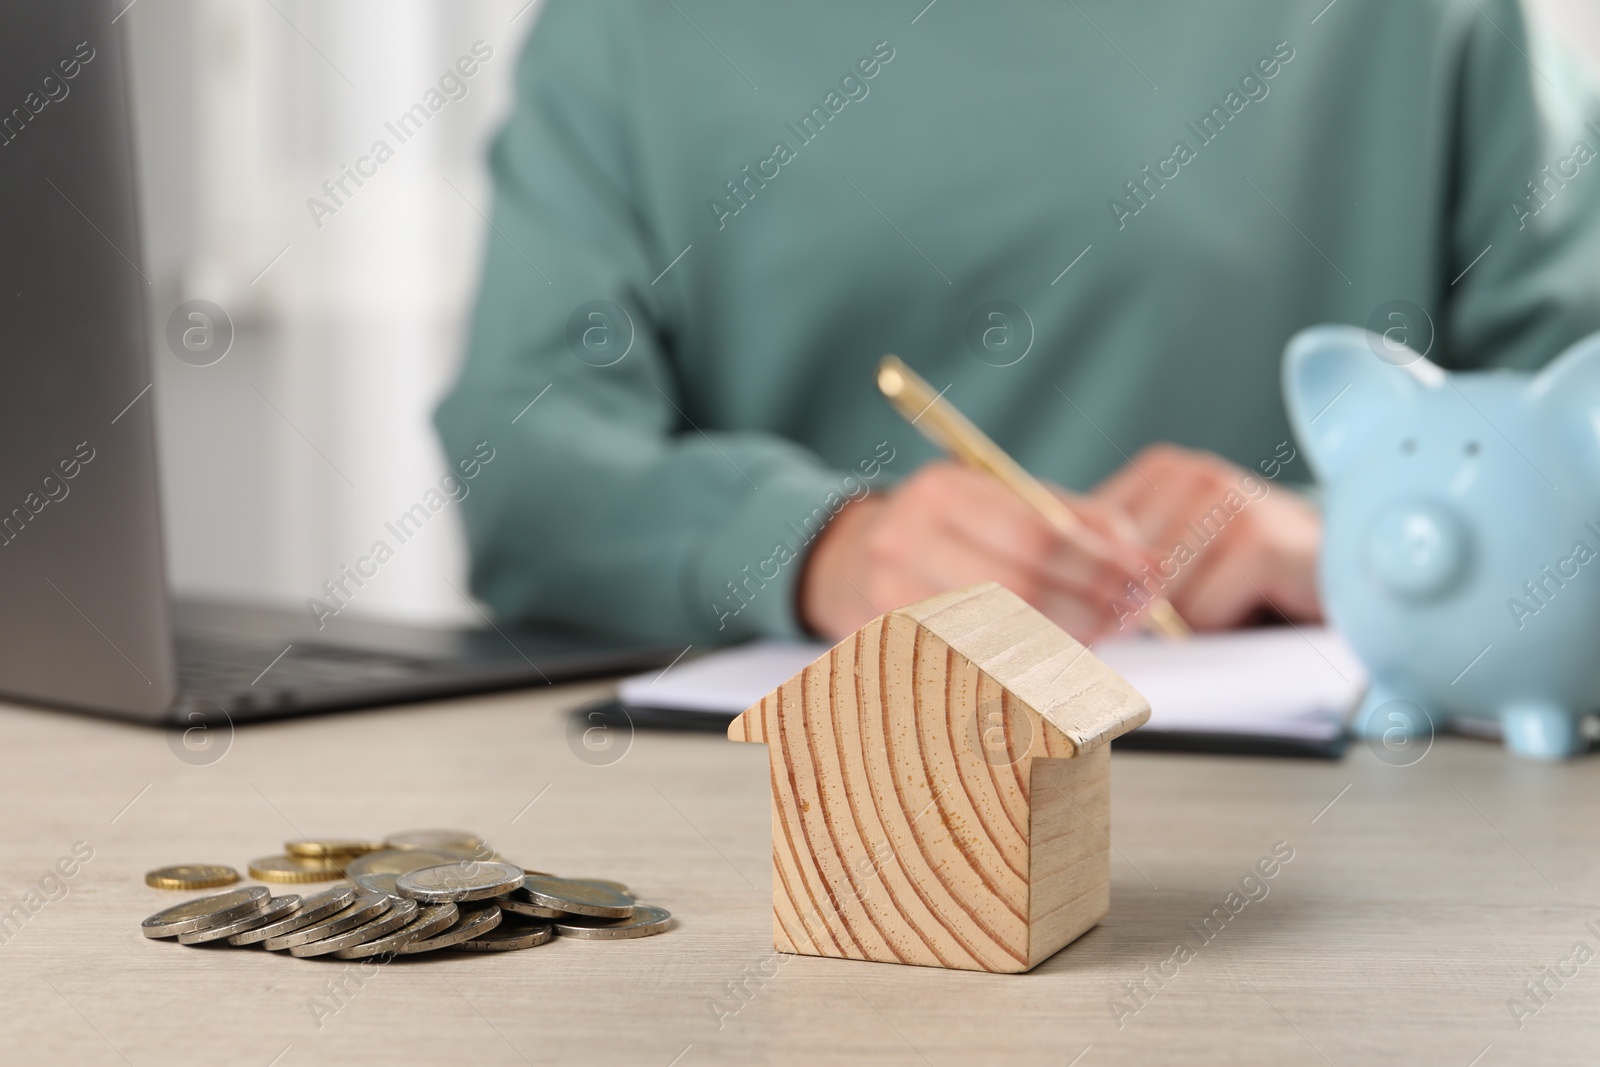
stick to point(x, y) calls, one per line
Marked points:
point(1417, 550)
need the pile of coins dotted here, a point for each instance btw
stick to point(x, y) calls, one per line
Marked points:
point(413, 892)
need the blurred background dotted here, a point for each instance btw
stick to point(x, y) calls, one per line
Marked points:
point(282, 461)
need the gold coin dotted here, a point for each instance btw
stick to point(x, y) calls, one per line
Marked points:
point(191, 876)
point(332, 847)
point(295, 870)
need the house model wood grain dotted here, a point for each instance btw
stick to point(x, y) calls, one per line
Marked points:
point(941, 787)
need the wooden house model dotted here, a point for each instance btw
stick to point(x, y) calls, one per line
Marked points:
point(941, 787)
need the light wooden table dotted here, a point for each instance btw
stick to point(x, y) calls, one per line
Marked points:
point(1415, 906)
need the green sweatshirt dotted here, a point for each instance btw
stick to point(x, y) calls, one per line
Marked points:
point(1095, 224)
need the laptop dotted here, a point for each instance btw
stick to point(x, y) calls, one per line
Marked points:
point(86, 620)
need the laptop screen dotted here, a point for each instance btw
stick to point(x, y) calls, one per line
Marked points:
point(83, 604)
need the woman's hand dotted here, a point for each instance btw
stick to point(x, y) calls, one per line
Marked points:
point(947, 527)
point(1227, 541)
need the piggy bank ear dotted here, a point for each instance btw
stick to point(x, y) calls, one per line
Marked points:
point(1339, 390)
point(1572, 381)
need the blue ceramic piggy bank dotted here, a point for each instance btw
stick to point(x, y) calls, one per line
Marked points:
point(1461, 539)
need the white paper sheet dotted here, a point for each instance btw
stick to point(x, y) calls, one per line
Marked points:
point(1281, 682)
point(730, 680)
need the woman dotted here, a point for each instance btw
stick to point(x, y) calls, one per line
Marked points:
point(1096, 223)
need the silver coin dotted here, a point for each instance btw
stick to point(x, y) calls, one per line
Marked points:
point(376, 882)
point(277, 908)
point(315, 908)
point(472, 923)
point(508, 937)
point(399, 914)
point(429, 920)
point(646, 920)
point(514, 906)
point(202, 913)
point(458, 881)
point(398, 861)
point(365, 907)
point(409, 839)
point(577, 898)
point(518, 901)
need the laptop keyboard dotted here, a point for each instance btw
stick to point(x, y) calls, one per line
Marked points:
point(241, 674)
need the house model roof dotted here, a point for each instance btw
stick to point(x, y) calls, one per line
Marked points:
point(1077, 702)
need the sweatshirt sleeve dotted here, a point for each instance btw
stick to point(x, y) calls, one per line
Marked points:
point(1523, 266)
point(608, 506)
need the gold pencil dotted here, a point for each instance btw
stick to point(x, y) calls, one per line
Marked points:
point(926, 409)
